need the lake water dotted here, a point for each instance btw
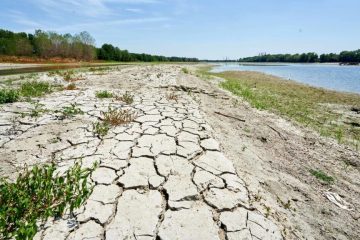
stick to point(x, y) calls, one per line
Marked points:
point(335, 77)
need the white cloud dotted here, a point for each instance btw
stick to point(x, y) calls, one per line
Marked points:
point(97, 24)
point(134, 10)
point(19, 18)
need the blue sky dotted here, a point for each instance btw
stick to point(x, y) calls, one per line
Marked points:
point(212, 29)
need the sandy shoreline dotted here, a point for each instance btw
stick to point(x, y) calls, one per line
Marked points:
point(4, 66)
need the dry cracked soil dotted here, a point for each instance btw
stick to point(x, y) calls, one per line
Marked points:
point(181, 170)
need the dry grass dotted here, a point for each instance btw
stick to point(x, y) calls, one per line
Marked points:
point(171, 96)
point(71, 86)
point(328, 112)
point(115, 117)
point(127, 98)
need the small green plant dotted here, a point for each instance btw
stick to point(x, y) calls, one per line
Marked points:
point(339, 135)
point(35, 89)
point(37, 111)
point(185, 70)
point(115, 117)
point(9, 95)
point(101, 129)
point(322, 176)
point(71, 110)
point(68, 75)
point(104, 94)
point(37, 194)
point(127, 98)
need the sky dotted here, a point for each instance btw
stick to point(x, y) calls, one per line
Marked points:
point(206, 29)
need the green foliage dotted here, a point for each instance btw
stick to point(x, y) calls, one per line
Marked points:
point(35, 89)
point(344, 57)
point(110, 53)
point(15, 43)
point(322, 176)
point(79, 46)
point(309, 106)
point(104, 94)
point(101, 129)
point(37, 111)
point(37, 194)
point(185, 70)
point(71, 110)
point(9, 95)
point(127, 98)
point(339, 134)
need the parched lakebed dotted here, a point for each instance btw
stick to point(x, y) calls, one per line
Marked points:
point(161, 175)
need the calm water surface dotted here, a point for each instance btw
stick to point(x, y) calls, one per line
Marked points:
point(335, 77)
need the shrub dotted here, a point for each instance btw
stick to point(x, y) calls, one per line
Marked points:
point(104, 94)
point(68, 75)
point(71, 110)
point(101, 129)
point(9, 95)
point(185, 70)
point(115, 117)
point(127, 98)
point(34, 89)
point(37, 194)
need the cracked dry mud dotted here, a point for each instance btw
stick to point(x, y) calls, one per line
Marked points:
point(161, 176)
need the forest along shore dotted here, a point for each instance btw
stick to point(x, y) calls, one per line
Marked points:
point(281, 174)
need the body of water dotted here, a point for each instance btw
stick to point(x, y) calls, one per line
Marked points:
point(334, 77)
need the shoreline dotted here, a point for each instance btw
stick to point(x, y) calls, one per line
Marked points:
point(331, 113)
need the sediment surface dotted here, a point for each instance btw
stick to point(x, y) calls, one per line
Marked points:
point(162, 176)
point(196, 163)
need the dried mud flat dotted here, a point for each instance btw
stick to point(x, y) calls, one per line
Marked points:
point(186, 168)
point(162, 176)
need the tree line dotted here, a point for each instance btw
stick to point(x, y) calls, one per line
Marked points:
point(109, 52)
point(47, 44)
point(351, 57)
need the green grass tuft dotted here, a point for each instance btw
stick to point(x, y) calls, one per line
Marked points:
point(9, 95)
point(322, 176)
point(104, 94)
point(71, 111)
point(101, 129)
point(35, 89)
point(185, 70)
point(310, 106)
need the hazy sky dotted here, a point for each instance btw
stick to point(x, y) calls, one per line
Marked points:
point(212, 29)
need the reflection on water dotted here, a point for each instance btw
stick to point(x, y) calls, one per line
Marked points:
point(335, 77)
